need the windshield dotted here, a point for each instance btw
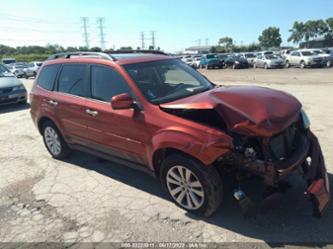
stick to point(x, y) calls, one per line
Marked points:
point(4, 72)
point(271, 57)
point(210, 56)
point(307, 53)
point(168, 80)
point(250, 55)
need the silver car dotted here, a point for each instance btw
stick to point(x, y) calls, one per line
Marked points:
point(304, 58)
point(11, 88)
point(268, 61)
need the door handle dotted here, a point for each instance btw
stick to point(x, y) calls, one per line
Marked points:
point(52, 102)
point(91, 112)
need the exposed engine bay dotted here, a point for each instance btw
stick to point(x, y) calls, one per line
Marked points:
point(271, 137)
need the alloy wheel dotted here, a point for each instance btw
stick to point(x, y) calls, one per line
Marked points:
point(52, 141)
point(185, 187)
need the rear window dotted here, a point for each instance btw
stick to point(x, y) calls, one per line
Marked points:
point(71, 80)
point(47, 76)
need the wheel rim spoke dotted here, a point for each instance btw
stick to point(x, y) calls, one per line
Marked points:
point(176, 190)
point(174, 175)
point(180, 197)
point(170, 180)
point(181, 173)
point(198, 192)
point(194, 199)
point(189, 201)
point(195, 184)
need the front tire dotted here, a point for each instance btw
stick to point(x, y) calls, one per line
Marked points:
point(54, 141)
point(302, 65)
point(191, 185)
point(287, 64)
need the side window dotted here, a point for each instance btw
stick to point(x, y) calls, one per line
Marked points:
point(106, 83)
point(47, 76)
point(71, 79)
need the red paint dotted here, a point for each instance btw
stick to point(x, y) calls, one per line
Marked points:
point(248, 110)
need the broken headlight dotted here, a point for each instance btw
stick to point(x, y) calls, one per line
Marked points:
point(305, 119)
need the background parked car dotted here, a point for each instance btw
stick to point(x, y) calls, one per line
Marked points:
point(303, 58)
point(34, 66)
point(210, 61)
point(236, 62)
point(326, 54)
point(11, 88)
point(268, 61)
point(17, 70)
point(250, 57)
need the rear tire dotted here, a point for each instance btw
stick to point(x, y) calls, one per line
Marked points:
point(191, 185)
point(54, 141)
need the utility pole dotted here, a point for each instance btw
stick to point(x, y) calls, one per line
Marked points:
point(153, 39)
point(85, 31)
point(100, 22)
point(206, 41)
point(142, 40)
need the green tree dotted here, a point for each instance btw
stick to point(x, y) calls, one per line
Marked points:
point(95, 49)
point(227, 43)
point(329, 33)
point(270, 37)
point(297, 32)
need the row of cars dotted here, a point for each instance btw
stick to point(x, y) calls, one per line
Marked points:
point(266, 59)
point(23, 69)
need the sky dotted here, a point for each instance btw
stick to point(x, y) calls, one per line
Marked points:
point(178, 23)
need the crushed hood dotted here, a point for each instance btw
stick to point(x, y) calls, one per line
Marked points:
point(248, 110)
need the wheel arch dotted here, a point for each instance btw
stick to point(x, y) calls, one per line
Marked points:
point(162, 153)
point(42, 121)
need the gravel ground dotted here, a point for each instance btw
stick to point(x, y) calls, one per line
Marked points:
point(88, 199)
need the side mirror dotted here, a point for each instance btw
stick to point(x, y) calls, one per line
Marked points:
point(122, 101)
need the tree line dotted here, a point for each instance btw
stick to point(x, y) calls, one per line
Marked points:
point(300, 33)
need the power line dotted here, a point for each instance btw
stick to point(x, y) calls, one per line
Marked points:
point(100, 22)
point(31, 19)
point(85, 31)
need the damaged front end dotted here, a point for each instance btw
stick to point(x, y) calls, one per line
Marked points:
point(270, 132)
point(274, 158)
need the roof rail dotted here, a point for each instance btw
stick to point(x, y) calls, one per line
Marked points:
point(68, 55)
point(138, 51)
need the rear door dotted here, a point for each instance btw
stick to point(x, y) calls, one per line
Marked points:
point(69, 100)
point(120, 133)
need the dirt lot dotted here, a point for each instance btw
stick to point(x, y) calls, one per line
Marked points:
point(87, 199)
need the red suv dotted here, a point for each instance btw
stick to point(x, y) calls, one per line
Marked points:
point(155, 113)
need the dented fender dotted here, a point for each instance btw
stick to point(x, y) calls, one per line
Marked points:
point(204, 147)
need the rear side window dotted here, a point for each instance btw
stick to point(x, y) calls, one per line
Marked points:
point(47, 76)
point(106, 83)
point(71, 79)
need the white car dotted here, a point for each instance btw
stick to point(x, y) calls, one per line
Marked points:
point(34, 66)
point(304, 58)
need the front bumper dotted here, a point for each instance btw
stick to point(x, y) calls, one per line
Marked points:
point(313, 171)
point(13, 97)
